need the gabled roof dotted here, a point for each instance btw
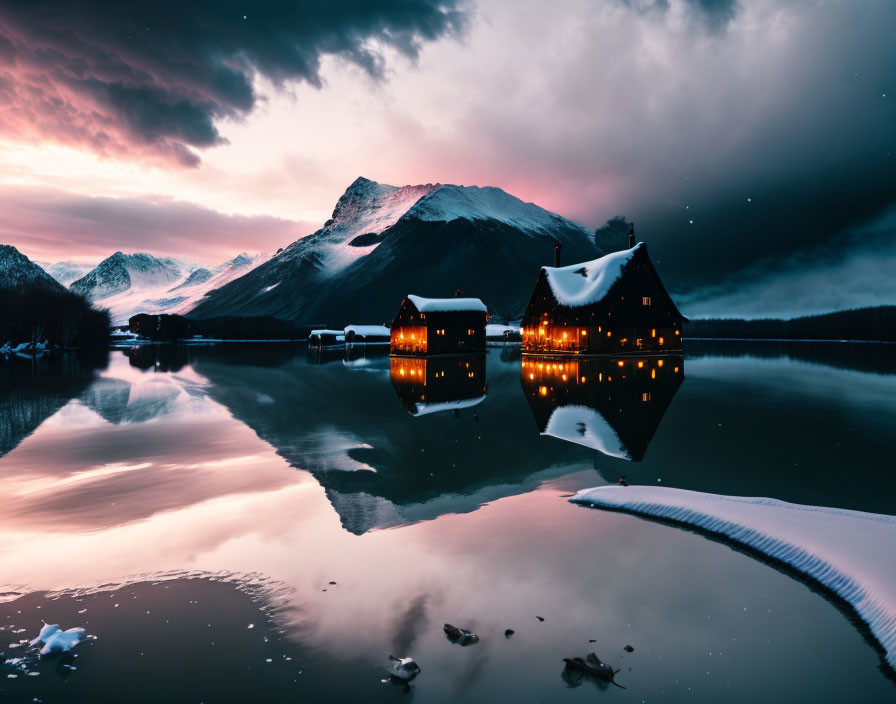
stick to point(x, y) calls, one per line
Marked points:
point(588, 282)
point(446, 305)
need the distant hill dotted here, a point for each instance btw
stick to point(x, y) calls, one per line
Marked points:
point(384, 242)
point(34, 307)
point(878, 324)
point(126, 284)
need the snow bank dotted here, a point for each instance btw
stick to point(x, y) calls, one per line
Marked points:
point(446, 305)
point(585, 426)
point(588, 282)
point(851, 553)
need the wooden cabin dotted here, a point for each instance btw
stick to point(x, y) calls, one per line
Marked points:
point(612, 305)
point(425, 326)
point(432, 384)
point(611, 404)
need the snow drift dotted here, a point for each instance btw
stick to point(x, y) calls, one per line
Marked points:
point(851, 553)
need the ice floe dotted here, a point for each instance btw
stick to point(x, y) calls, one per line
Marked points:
point(851, 553)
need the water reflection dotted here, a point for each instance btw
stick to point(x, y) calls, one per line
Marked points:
point(434, 384)
point(32, 390)
point(612, 405)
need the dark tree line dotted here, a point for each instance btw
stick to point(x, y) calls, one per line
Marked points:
point(37, 312)
point(877, 324)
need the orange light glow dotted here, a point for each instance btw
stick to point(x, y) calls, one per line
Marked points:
point(661, 340)
point(543, 390)
point(659, 363)
point(620, 363)
point(640, 365)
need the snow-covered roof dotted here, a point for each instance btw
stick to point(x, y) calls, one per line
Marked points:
point(368, 330)
point(447, 305)
point(423, 409)
point(842, 550)
point(585, 426)
point(588, 282)
point(326, 332)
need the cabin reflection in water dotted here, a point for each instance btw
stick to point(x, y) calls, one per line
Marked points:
point(610, 404)
point(432, 384)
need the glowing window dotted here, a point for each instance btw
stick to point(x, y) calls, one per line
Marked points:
point(645, 301)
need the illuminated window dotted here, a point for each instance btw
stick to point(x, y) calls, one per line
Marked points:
point(645, 396)
point(661, 340)
point(659, 363)
point(640, 365)
point(653, 333)
point(645, 301)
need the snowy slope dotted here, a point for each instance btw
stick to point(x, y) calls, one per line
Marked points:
point(140, 283)
point(17, 270)
point(384, 242)
point(851, 553)
point(66, 273)
point(131, 272)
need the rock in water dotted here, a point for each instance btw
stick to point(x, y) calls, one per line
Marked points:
point(403, 669)
point(460, 636)
point(509, 632)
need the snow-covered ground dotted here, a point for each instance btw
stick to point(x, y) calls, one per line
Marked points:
point(493, 330)
point(851, 553)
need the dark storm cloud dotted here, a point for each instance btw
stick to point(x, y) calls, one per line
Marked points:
point(150, 79)
point(36, 220)
point(727, 148)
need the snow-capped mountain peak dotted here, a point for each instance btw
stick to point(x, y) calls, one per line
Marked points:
point(18, 270)
point(65, 272)
point(447, 203)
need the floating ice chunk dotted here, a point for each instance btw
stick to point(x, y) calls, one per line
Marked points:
point(45, 632)
point(62, 641)
point(844, 551)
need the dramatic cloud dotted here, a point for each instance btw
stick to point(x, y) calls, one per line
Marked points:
point(36, 220)
point(150, 79)
point(855, 270)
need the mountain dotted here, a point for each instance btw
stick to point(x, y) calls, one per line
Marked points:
point(127, 284)
point(36, 309)
point(384, 242)
point(122, 272)
point(17, 270)
point(66, 272)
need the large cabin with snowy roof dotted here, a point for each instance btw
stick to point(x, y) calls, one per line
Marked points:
point(425, 326)
point(612, 305)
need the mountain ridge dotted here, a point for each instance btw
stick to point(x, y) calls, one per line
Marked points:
point(384, 242)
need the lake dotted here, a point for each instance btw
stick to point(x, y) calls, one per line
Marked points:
point(257, 522)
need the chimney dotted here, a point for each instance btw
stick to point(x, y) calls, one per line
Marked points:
point(631, 236)
point(557, 248)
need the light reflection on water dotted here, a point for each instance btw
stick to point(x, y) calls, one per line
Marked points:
point(257, 460)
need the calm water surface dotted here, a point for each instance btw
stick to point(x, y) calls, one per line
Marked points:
point(192, 507)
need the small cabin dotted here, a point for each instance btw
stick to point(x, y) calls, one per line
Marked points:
point(612, 305)
point(326, 338)
point(425, 326)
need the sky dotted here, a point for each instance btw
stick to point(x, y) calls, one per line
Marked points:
point(752, 142)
